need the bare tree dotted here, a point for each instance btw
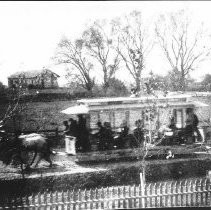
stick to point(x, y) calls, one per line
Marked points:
point(183, 48)
point(14, 106)
point(15, 113)
point(73, 53)
point(133, 43)
point(101, 49)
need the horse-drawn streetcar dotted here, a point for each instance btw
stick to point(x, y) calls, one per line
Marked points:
point(153, 116)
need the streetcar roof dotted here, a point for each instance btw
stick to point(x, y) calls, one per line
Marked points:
point(84, 106)
point(135, 100)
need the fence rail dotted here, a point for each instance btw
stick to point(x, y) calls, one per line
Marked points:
point(195, 192)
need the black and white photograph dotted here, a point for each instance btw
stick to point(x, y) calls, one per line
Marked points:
point(105, 104)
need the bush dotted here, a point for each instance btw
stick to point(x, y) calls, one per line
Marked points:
point(114, 177)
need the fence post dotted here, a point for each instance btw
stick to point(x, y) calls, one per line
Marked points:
point(113, 194)
point(101, 198)
point(124, 195)
point(142, 179)
point(107, 197)
point(142, 183)
point(91, 198)
point(134, 195)
point(45, 198)
point(85, 199)
point(161, 194)
point(176, 193)
point(195, 192)
point(208, 192)
point(186, 191)
point(62, 200)
point(179, 196)
point(190, 191)
point(201, 192)
point(129, 198)
point(95, 198)
point(182, 195)
point(166, 194)
point(148, 196)
point(204, 183)
point(51, 200)
point(79, 198)
point(120, 197)
point(74, 199)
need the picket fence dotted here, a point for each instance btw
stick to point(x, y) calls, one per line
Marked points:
point(195, 192)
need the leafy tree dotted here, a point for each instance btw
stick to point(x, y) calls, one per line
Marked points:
point(117, 88)
point(100, 48)
point(133, 43)
point(2, 87)
point(3, 92)
point(155, 82)
point(183, 48)
point(206, 82)
point(172, 78)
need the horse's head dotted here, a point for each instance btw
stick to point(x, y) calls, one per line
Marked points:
point(7, 150)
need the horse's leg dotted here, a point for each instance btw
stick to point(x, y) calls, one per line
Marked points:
point(35, 154)
point(22, 171)
point(39, 159)
point(22, 162)
point(48, 159)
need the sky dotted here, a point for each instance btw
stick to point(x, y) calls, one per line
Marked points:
point(30, 31)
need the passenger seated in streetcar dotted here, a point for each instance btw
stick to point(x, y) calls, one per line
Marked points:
point(169, 132)
point(108, 136)
point(195, 126)
point(190, 127)
point(139, 132)
point(73, 131)
point(66, 127)
point(124, 129)
point(120, 140)
point(187, 132)
point(73, 127)
point(171, 127)
point(101, 136)
point(172, 124)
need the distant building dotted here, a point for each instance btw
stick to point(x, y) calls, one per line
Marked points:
point(44, 78)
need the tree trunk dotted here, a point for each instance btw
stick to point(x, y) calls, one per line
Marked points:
point(105, 80)
point(105, 88)
point(182, 81)
point(90, 92)
point(138, 84)
point(89, 88)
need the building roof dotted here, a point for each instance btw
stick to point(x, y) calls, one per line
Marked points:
point(31, 73)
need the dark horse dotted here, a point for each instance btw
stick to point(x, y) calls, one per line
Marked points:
point(18, 149)
point(38, 144)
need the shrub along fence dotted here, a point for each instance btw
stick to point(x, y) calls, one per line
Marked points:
point(193, 192)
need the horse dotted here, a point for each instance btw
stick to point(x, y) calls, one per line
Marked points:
point(17, 150)
point(38, 144)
